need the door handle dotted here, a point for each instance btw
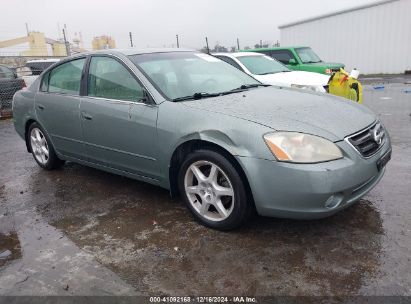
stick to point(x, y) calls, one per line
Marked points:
point(41, 107)
point(86, 116)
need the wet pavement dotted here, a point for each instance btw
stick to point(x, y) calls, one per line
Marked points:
point(81, 231)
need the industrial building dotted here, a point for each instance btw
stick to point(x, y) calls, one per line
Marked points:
point(103, 42)
point(36, 44)
point(374, 38)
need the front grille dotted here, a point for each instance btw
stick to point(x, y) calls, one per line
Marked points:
point(368, 141)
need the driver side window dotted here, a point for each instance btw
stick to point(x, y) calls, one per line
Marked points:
point(283, 56)
point(109, 79)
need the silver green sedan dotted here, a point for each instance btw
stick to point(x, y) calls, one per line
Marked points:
point(195, 125)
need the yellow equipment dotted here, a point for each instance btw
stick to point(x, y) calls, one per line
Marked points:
point(343, 84)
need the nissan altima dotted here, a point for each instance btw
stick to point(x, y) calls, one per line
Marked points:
point(193, 124)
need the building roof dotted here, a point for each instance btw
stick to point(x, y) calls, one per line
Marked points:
point(336, 13)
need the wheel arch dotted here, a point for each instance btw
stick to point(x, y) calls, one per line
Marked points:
point(191, 145)
point(27, 125)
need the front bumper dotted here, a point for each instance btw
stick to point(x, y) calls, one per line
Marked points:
point(309, 191)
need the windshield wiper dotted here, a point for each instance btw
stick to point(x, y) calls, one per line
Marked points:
point(196, 96)
point(268, 73)
point(244, 87)
point(248, 86)
point(241, 88)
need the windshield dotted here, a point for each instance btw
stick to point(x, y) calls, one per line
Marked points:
point(262, 65)
point(307, 55)
point(179, 74)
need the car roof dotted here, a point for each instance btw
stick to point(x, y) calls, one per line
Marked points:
point(128, 52)
point(238, 54)
point(135, 51)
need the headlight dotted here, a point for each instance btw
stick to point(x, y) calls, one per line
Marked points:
point(315, 88)
point(301, 148)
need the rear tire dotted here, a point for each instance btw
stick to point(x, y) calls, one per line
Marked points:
point(213, 190)
point(42, 149)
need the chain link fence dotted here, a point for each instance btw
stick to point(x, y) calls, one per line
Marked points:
point(17, 73)
point(10, 83)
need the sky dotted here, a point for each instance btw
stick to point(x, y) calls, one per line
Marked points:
point(155, 23)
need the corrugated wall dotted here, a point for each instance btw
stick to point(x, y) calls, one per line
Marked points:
point(374, 40)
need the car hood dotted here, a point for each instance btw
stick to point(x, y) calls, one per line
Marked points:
point(327, 65)
point(294, 77)
point(286, 109)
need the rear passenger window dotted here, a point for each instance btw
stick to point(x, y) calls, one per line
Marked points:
point(283, 56)
point(109, 79)
point(45, 82)
point(66, 78)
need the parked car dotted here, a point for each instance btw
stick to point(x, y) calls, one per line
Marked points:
point(37, 66)
point(270, 71)
point(9, 84)
point(191, 123)
point(300, 59)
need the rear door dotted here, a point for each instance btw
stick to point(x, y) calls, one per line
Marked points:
point(119, 123)
point(57, 105)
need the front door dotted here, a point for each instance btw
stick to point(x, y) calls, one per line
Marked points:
point(119, 127)
point(57, 106)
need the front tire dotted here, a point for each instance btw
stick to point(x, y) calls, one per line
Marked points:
point(42, 149)
point(213, 190)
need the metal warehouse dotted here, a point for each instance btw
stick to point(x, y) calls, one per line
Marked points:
point(374, 38)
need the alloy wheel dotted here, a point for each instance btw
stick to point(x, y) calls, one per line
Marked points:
point(209, 190)
point(39, 146)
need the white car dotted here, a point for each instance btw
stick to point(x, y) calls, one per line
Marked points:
point(270, 71)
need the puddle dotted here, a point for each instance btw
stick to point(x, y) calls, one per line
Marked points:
point(9, 248)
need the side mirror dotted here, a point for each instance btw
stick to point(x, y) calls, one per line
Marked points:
point(292, 61)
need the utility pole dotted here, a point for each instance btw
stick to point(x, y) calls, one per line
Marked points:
point(178, 45)
point(208, 49)
point(66, 43)
point(261, 43)
point(131, 39)
point(238, 44)
point(27, 29)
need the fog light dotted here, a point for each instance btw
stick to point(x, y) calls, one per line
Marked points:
point(334, 201)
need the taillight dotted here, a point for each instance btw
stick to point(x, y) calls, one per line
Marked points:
point(328, 71)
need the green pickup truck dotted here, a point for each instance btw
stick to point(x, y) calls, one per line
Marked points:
point(300, 59)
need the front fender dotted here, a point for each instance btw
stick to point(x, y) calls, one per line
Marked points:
point(178, 124)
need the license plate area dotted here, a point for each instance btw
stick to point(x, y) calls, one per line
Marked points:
point(383, 160)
